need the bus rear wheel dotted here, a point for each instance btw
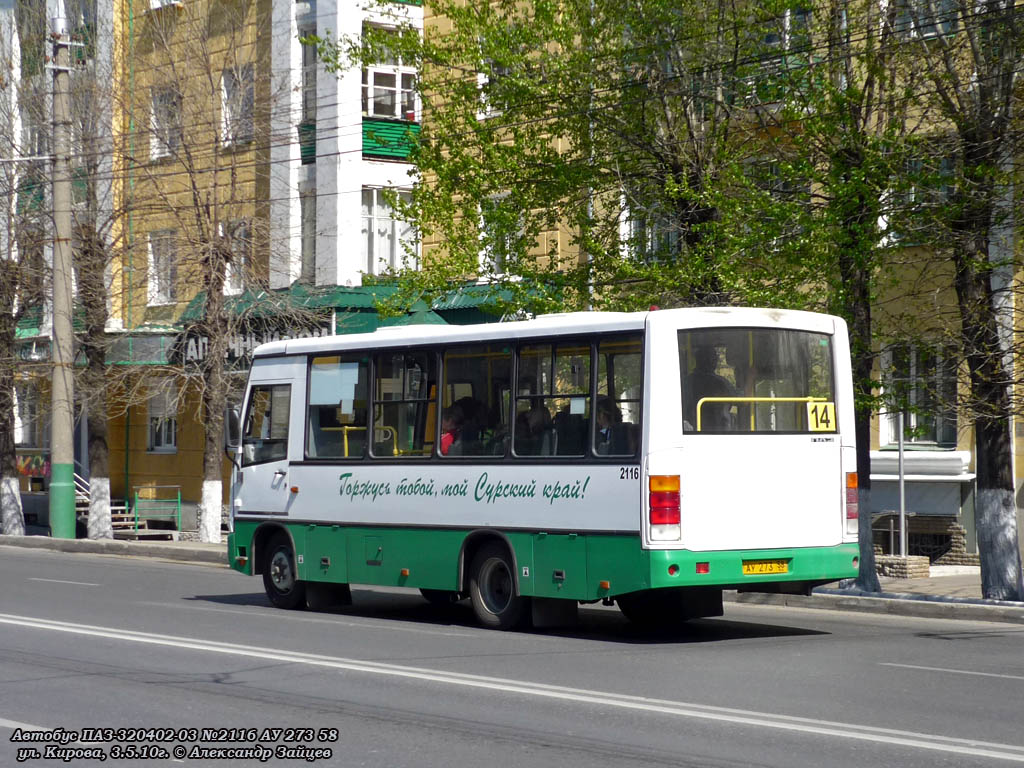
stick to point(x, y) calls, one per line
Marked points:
point(492, 589)
point(279, 576)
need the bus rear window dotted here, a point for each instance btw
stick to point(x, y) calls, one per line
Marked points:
point(756, 380)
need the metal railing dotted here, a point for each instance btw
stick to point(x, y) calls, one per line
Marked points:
point(155, 507)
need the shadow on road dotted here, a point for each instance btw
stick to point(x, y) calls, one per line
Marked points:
point(596, 622)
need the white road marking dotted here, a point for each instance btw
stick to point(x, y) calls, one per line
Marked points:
point(274, 613)
point(889, 736)
point(14, 725)
point(60, 581)
point(952, 671)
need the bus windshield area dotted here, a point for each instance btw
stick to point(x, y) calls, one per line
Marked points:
point(752, 380)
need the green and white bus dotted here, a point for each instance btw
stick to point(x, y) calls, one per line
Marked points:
point(652, 459)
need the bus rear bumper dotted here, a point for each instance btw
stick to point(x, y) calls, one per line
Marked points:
point(774, 570)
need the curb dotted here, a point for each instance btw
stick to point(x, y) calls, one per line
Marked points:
point(206, 556)
point(894, 604)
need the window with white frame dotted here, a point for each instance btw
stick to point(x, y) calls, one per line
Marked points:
point(501, 229)
point(926, 18)
point(785, 44)
point(166, 122)
point(239, 236)
point(790, 32)
point(389, 90)
point(920, 381)
point(237, 105)
point(309, 81)
point(163, 267)
point(162, 419)
point(646, 233)
point(30, 427)
point(924, 187)
point(387, 240)
point(489, 85)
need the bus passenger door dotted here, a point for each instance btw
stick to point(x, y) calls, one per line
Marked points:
point(263, 480)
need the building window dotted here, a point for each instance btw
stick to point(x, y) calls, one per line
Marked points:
point(501, 233)
point(239, 237)
point(162, 418)
point(926, 18)
point(386, 239)
point(790, 32)
point(389, 90)
point(30, 427)
point(918, 195)
point(309, 82)
point(238, 94)
point(165, 118)
point(647, 234)
point(490, 84)
point(921, 381)
point(163, 268)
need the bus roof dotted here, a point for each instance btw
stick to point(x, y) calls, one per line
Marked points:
point(569, 323)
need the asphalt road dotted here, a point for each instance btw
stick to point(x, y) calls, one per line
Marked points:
point(167, 650)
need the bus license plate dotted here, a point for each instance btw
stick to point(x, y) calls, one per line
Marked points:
point(758, 567)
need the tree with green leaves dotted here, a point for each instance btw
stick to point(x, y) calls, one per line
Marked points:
point(574, 152)
point(837, 120)
point(972, 54)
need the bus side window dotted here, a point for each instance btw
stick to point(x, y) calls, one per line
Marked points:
point(553, 402)
point(475, 420)
point(619, 392)
point(404, 387)
point(337, 407)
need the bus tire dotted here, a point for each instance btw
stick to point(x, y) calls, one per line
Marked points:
point(492, 589)
point(280, 579)
point(440, 596)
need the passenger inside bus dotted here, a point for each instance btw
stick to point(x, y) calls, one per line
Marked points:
point(534, 434)
point(614, 438)
point(704, 382)
point(451, 427)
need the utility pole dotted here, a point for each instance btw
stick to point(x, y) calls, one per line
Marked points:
point(62, 450)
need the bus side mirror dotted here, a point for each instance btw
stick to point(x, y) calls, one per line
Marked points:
point(232, 429)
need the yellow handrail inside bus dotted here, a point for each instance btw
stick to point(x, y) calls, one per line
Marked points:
point(700, 403)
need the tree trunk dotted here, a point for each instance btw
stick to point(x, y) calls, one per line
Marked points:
point(12, 517)
point(93, 295)
point(854, 246)
point(100, 524)
point(214, 396)
point(995, 520)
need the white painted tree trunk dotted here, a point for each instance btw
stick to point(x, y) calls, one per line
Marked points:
point(100, 526)
point(11, 515)
point(1000, 559)
point(210, 511)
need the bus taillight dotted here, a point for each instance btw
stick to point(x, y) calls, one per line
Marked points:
point(852, 505)
point(664, 504)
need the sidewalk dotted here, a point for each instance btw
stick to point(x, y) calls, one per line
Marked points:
point(948, 593)
point(187, 551)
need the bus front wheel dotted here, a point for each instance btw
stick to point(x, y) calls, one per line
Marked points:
point(279, 577)
point(492, 589)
